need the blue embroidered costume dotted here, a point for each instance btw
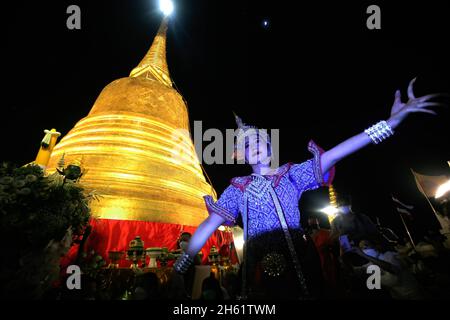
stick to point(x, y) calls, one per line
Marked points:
point(274, 255)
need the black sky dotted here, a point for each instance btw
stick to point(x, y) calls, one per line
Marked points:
point(315, 73)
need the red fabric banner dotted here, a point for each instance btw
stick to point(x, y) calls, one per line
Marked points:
point(115, 235)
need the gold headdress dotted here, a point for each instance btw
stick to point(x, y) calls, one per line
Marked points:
point(245, 131)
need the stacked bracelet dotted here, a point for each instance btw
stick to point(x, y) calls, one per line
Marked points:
point(183, 263)
point(379, 132)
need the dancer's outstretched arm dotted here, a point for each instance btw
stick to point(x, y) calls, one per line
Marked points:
point(198, 240)
point(203, 232)
point(399, 112)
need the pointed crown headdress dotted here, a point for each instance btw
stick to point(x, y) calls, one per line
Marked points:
point(245, 130)
point(241, 125)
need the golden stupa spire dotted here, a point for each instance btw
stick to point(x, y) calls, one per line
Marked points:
point(133, 151)
point(154, 65)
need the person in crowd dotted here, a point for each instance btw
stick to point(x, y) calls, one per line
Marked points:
point(211, 289)
point(328, 252)
point(395, 276)
point(356, 226)
point(147, 287)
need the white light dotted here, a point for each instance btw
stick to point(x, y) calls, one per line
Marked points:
point(238, 239)
point(239, 242)
point(166, 6)
point(443, 189)
point(330, 210)
point(221, 228)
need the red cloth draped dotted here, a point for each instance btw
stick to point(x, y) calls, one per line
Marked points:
point(322, 241)
point(115, 235)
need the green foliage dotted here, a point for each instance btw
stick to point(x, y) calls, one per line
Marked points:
point(40, 216)
point(35, 209)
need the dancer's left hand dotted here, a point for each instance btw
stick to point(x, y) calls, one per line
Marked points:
point(400, 110)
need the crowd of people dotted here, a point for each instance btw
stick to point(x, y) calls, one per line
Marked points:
point(354, 243)
point(359, 259)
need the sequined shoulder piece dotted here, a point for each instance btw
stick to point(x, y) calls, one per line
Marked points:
point(317, 152)
point(283, 170)
point(241, 182)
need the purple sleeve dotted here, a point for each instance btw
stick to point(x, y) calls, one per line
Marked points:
point(308, 175)
point(227, 206)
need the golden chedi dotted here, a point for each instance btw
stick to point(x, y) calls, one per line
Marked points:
point(133, 149)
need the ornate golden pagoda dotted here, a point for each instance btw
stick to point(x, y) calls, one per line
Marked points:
point(134, 151)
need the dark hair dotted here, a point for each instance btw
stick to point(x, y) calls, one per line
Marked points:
point(211, 289)
point(182, 235)
point(150, 283)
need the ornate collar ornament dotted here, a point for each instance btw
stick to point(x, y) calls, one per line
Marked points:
point(245, 131)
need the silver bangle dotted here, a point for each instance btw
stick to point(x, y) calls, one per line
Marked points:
point(379, 132)
point(183, 263)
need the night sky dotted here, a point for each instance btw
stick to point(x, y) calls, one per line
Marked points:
point(314, 72)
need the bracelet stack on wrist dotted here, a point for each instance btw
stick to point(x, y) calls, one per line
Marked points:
point(379, 132)
point(183, 263)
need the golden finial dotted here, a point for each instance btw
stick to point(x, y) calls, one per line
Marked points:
point(62, 162)
point(46, 147)
point(154, 65)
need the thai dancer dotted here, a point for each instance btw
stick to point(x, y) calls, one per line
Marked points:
point(279, 259)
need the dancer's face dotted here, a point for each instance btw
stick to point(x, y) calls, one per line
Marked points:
point(257, 150)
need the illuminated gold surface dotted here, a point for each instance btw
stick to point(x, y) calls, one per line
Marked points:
point(333, 201)
point(133, 156)
point(44, 153)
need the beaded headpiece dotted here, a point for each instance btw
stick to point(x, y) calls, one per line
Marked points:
point(243, 131)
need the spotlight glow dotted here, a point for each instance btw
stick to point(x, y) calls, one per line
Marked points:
point(239, 242)
point(221, 228)
point(443, 189)
point(330, 210)
point(166, 6)
point(238, 239)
